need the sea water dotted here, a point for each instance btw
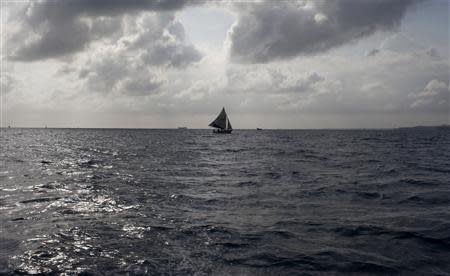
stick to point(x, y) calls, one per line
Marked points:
point(271, 202)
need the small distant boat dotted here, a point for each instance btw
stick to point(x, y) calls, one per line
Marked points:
point(258, 128)
point(182, 127)
point(222, 123)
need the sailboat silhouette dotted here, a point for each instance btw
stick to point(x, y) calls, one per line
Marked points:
point(222, 123)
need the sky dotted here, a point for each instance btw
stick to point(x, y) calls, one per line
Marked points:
point(170, 63)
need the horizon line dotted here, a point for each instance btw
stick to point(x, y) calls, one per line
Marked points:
point(256, 128)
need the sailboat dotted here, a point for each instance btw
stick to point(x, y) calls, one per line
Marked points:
point(222, 123)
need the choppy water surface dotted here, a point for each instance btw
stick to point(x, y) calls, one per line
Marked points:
point(250, 203)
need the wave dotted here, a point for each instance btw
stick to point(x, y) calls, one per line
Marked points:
point(89, 163)
point(394, 234)
point(40, 200)
point(325, 261)
point(247, 183)
point(369, 195)
point(429, 198)
point(420, 182)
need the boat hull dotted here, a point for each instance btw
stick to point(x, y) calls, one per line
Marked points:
point(222, 131)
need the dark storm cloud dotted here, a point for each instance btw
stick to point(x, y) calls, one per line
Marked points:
point(267, 31)
point(54, 29)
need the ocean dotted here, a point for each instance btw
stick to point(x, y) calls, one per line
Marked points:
point(190, 202)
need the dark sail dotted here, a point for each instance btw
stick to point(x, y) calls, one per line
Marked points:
point(221, 121)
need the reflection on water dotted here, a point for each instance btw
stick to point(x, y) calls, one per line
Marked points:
point(190, 202)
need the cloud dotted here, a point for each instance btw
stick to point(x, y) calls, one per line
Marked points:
point(435, 96)
point(248, 79)
point(103, 73)
point(171, 54)
point(373, 53)
point(433, 53)
point(151, 45)
point(266, 31)
point(291, 82)
point(119, 73)
point(271, 79)
point(141, 86)
point(337, 84)
point(200, 90)
point(401, 43)
point(49, 29)
point(7, 83)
